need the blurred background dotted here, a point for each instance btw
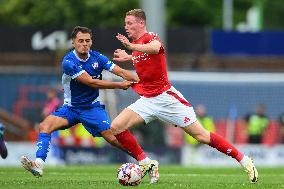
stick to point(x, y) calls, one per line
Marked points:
point(225, 56)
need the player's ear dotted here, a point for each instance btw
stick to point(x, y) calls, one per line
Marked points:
point(73, 45)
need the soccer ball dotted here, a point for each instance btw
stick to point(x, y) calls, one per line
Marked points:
point(129, 174)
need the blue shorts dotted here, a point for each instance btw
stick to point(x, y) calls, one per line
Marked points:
point(95, 119)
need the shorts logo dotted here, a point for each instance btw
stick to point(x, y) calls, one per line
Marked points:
point(186, 120)
point(107, 122)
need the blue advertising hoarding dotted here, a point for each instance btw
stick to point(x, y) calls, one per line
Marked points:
point(247, 43)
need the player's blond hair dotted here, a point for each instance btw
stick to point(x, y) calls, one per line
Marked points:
point(137, 13)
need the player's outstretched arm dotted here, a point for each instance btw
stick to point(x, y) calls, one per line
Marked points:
point(86, 79)
point(150, 48)
point(125, 74)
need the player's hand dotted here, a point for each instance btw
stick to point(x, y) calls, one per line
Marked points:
point(125, 42)
point(121, 56)
point(135, 80)
point(126, 84)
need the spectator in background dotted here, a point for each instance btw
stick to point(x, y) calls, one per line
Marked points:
point(257, 123)
point(205, 120)
point(52, 102)
point(3, 148)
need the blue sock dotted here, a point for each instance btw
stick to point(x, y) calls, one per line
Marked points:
point(43, 143)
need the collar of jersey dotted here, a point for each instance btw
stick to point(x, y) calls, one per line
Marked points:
point(140, 37)
point(80, 58)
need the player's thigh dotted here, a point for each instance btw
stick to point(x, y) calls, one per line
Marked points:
point(197, 131)
point(125, 120)
point(177, 114)
point(62, 118)
point(95, 120)
point(173, 108)
point(52, 123)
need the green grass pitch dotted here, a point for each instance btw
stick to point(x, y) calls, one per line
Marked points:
point(172, 177)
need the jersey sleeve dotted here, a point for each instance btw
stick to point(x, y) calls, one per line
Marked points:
point(107, 64)
point(152, 37)
point(71, 68)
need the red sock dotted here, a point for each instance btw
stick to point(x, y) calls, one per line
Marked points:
point(222, 145)
point(129, 142)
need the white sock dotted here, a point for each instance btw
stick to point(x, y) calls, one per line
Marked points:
point(244, 161)
point(144, 161)
point(40, 162)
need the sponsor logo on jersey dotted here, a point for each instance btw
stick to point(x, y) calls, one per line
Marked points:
point(141, 57)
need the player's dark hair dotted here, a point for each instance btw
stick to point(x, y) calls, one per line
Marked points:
point(81, 29)
point(138, 13)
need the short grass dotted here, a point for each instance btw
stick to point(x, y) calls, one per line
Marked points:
point(104, 176)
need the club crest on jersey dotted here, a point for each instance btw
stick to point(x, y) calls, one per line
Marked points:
point(95, 65)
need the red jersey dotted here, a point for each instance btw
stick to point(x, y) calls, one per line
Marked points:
point(150, 68)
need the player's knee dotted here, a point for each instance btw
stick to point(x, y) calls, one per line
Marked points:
point(115, 128)
point(44, 128)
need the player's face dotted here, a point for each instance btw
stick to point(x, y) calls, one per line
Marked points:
point(133, 27)
point(82, 43)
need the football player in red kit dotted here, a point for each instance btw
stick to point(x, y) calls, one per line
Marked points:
point(158, 98)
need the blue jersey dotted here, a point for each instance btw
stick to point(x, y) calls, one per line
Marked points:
point(77, 94)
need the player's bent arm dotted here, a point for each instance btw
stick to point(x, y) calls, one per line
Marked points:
point(150, 48)
point(86, 79)
point(125, 74)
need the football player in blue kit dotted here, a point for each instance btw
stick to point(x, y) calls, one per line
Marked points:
point(81, 80)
